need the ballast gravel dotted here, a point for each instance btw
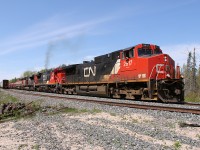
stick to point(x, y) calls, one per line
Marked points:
point(98, 127)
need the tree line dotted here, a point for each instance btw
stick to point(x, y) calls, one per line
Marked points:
point(191, 74)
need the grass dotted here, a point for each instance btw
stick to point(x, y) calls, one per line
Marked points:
point(34, 107)
point(22, 146)
point(192, 97)
point(198, 136)
point(79, 111)
point(95, 111)
point(36, 147)
point(18, 114)
point(113, 114)
point(177, 145)
point(135, 121)
point(6, 98)
point(171, 125)
point(70, 110)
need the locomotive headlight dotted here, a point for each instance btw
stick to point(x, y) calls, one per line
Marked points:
point(165, 58)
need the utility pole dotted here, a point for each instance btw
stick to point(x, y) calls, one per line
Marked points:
point(193, 73)
point(188, 73)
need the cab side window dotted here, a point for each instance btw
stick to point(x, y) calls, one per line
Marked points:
point(128, 54)
point(131, 54)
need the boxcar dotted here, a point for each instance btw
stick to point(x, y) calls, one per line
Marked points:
point(4, 84)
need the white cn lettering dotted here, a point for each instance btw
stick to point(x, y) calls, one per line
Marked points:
point(159, 68)
point(88, 71)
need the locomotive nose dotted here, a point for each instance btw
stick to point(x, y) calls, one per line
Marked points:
point(165, 58)
point(169, 66)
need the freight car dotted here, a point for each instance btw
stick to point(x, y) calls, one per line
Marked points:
point(137, 72)
point(4, 84)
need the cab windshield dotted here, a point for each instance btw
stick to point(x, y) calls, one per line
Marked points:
point(144, 52)
point(157, 51)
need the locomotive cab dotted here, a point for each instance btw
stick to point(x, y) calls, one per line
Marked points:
point(162, 83)
point(149, 74)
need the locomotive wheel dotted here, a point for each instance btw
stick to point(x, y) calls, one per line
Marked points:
point(122, 96)
point(138, 97)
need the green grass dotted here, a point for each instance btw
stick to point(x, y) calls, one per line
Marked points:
point(22, 146)
point(36, 147)
point(6, 98)
point(95, 111)
point(192, 97)
point(171, 125)
point(35, 107)
point(70, 110)
point(135, 121)
point(177, 145)
point(113, 114)
point(16, 114)
point(79, 111)
point(198, 136)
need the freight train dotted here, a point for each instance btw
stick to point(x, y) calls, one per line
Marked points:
point(138, 72)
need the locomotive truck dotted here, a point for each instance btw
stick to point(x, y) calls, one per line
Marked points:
point(137, 72)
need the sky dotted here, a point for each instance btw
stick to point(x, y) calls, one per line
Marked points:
point(36, 34)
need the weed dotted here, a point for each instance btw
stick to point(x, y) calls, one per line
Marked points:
point(36, 104)
point(148, 121)
point(70, 110)
point(83, 110)
point(192, 97)
point(73, 111)
point(177, 145)
point(36, 147)
point(22, 146)
point(19, 111)
point(134, 121)
point(198, 136)
point(112, 114)
point(6, 98)
point(171, 125)
point(94, 111)
point(124, 118)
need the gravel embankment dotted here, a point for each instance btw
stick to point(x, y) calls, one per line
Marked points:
point(109, 99)
point(110, 128)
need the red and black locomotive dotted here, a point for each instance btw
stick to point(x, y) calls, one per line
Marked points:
point(137, 72)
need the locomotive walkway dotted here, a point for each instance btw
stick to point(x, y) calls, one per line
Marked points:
point(129, 105)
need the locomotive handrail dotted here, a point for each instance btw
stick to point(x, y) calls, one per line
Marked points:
point(157, 77)
point(150, 77)
point(151, 72)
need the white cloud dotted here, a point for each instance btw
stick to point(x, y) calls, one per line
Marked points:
point(89, 58)
point(10, 75)
point(44, 32)
point(179, 52)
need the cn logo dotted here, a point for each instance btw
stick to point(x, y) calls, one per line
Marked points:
point(88, 71)
point(159, 68)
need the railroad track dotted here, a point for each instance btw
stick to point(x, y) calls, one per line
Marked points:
point(191, 104)
point(129, 105)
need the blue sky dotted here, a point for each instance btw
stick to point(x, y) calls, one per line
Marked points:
point(73, 31)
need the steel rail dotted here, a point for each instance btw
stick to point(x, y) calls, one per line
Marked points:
point(191, 104)
point(129, 105)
